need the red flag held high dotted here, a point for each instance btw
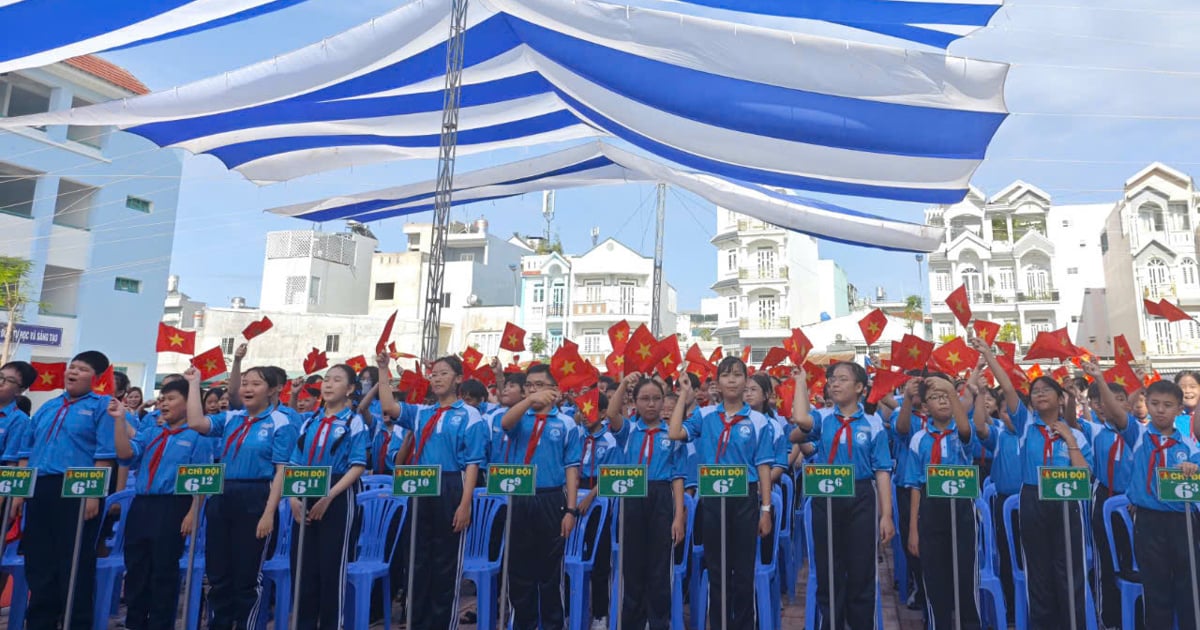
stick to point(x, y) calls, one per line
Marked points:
point(589, 405)
point(814, 376)
point(172, 339)
point(1122, 353)
point(774, 357)
point(386, 335)
point(669, 356)
point(471, 358)
point(798, 346)
point(1152, 308)
point(641, 351)
point(960, 305)
point(956, 356)
point(615, 364)
point(210, 363)
point(256, 328)
point(513, 338)
point(618, 335)
point(570, 370)
point(786, 392)
point(359, 363)
point(914, 353)
point(872, 326)
point(1172, 313)
point(51, 376)
point(717, 355)
point(1123, 375)
point(885, 383)
point(746, 354)
point(1055, 345)
point(986, 330)
point(104, 384)
point(315, 361)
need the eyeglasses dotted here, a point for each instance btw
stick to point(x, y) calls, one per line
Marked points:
point(538, 385)
point(11, 380)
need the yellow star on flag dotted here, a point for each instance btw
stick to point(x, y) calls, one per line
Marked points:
point(620, 360)
point(101, 387)
point(953, 359)
point(873, 327)
point(587, 408)
point(667, 361)
point(1120, 351)
point(644, 351)
point(512, 340)
point(210, 365)
point(176, 340)
point(47, 378)
point(620, 335)
point(914, 352)
point(1120, 380)
point(568, 367)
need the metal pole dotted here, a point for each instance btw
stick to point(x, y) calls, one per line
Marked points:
point(5, 511)
point(298, 574)
point(621, 560)
point(504, 569)
point(412, 563)
point(954, 560)
point(829, 560)
point(1191, 543)
point(724, 571)
point(656, 304)
point(74, 565)
point(197, 503)
point(1066, 510)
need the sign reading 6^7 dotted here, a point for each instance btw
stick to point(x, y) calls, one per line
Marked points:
point(828, 480)
point(200, 479)
point(723, 481)
point(512, 480)
point(17, 482)
point(1064, 484)
point(417, 481)
point(952, 482)
point(85, 483)
point(1174, 486)
point(306, 481)
point(622, 481)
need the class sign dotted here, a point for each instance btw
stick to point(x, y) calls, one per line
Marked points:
point(417, 481)
point(512, 480)
point(620, 482)
point(85, 483)
point(17, 482)
point(306, 481)
point(723, 481)
point(952, 482)
point(1061, 483)
point(829, 481)
point(200, 479)
point(1175, 486)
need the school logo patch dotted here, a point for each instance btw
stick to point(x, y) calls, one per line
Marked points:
point(600, 452)
point(1180, 457)
point(860, 438)
point(184, 443)
point(745, 430)
point(338, 432)
point(665, 443)
point(555, 433)
point(264, 432)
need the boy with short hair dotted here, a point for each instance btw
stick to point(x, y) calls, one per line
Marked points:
point(15, 378)
point(1110, 462)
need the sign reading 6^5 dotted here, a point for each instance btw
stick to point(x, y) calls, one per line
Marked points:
point(512, 480)
point(17, 482)
point(952, 482)
point(1174, 486)
point(417, 481)
point(622, 481)
point(85, 483)
point(830, 481)
point(723, 481)
point(306, 481)
point(200, 479)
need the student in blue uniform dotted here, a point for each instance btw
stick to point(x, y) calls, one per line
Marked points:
point(729, 433)
point(450, 434)
point(907, 420)
point(759, 394)
point(336, 438)
point(254, 443)
point(158, 519)
point(601, 447)
point(846, 434)
point(1110, 463)
point(1189, 383)
point(658, 522)
point(69, 431)
point(15, 378)
point(536, 433)
point(945, 441)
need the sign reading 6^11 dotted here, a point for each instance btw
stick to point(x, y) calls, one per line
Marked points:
point(417, 481)
point(17, 482)
point(723, 481)
point(1174, 486)
point(621, 482)
point(1063, 483)
point(829, 480)
point(952, 482)
point(85, 483)
point(200, 479)
point(512, 480)
point(306, 481)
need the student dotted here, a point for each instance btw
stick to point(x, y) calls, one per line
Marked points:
point(158, 519)
point(15, 378)
point(473, 393)
point(945, 440)
point(730, 433)
point(1159, 531)
point(648, 549)
point(512, 393)
point(601, 447)
point(907, 420)
point(1189, 383)
point(336, 438)
point(1110, 463)
point(536, 433)
point(759, 392)
point(69, 431)
point(846, 434)
point(254, 443)
point(450, 434)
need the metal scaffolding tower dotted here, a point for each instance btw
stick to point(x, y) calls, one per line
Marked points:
point(656, 305)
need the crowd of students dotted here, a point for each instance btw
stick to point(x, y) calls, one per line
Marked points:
point(356, 423)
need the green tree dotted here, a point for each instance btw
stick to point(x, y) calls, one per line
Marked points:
point(537, 345)
point(14, 296)
point(1009, 333)
point(914, 311)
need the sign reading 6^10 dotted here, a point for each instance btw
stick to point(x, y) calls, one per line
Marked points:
point(512, 480)
point(417, 481)
point(306, 481)
point(200, 479)
point(17, 482)
point(619, 482)
point(1174, 486)
point(829, 480)
point(85, 483)
point(723, 481)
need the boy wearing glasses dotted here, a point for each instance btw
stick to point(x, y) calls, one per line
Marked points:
point(15, 378)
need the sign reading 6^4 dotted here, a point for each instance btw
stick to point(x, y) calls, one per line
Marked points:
point(622, 481)
point(306, 481)
point(200, 479)
point(831, 481)
point(1174, 486)
point(417, 481)
point(17, 482)
point(1064, 484)
point(85, 483)
point(512, 480)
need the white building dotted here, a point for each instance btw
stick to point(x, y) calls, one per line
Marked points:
point(581, 297)
point(1025, 262)
point(94, 211)
point(771, 280)
point(179, 309)
point(1149, 252)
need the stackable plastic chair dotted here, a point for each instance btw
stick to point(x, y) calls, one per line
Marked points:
point(376, 482)
point(799, 548)
point(985, 553)
point(110, 569)
point(478, 566)
point(577, 567)
point(899, 557)
point(766, 576)
point(1129, 582)
point(681, 567)
point(1012, 509)
point(198, 565)
point(787, 558)
point(373, 563)
point(14, 566)
point(276, 574)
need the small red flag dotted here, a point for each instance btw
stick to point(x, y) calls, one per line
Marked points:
point(485, 375)
point(1061, 374)
point(1152, 308)
point(872, 325)
point(774, 357)
point(570, 370)
point(104, 384)
point(956, 356)
point(671, 359)
point(615, 364)
point(717, 355)
point(513, 338)
point(618, 335)
point(797, 346)
point(986, 330)
point(1034, 373)
point(1122, 374)
point(254, 329)
point(1007, 349)
point(641, 352)
point(960, 305)
point(172, 339)
point(746, 354)
point(386, 335)
point(589, 405)
point(359, 363)
point(1122, 353)
point(914, 353)
point(1172, 313)
point(315, 361)
point(885, 383)
point(786, 392)
point(513, 368)
point(1055, 345)
point(471, 358)
point(814, 376)
point(415, 387)
point(210, 363)
point(51, 376)
point(1153, 377)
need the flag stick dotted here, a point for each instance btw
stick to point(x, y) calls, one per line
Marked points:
point(1066, 511)
point(724, 571)
point(74, 565)
point(504, 569)
point(829, 549)
point(412, 563)
point(954, 560)
point(1191, 547)
point(621, 560)
point(191, 561)
point(298, 574)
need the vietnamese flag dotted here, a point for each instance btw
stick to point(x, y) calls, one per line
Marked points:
point(513, 338)
point(746, 354)
point(814, 376)
point(797, 346)
point(1061, 375)
point(471, 358)
point(956, 356)
point(386, 335)
point(1152, 308)
point(641, 351)
point(1034, 373)
point(1015, 374)
point(359, 363)
point(615, 364)
point(885, 383)
point(313, 363)
point(414, 386)
point(51, 376)
point(717, 355)
point(210, 363)
point(872, 325)
point(774, 357)
point(695, 356)
point(669, 356)
point(785, 393)
point(1153, 377)
point(618, 335)
point(1123, 375)
point(570, 370)
point(960, 305)
point(1122, 353)
point(254, 329)
point(1172, 313)
point(104, 384)
point(172, 339)
point(589, 405)
point(1055, 345)
point(914, 353)
point(485, 376)
point(987, 331)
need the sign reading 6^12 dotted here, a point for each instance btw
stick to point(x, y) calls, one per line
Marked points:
point(829, 480)
point(1174, 486)
point(723, 481)
point(17, 482)
point(85, 483)
point(512, 480)
point(200, 479)
point(417, 481)
point(621, 482)
point(306, 481)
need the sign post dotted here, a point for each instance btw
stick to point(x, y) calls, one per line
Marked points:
point(1175, 486)
point(832, 482)
point(1066, 484)
point(303, 482)
point(197, 481)
point(722, 482)
point(415, 482)
point(509, 480)
point(15, 483)
point(953, 482)
point(621, 482)
point(83, 484)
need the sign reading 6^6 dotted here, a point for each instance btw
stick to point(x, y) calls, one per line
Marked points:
point(85, 483)
point(306, 481)
point(417, 481)
point(1174, 486)
point(622, 481)
point(723, 481)
point(828, 480)
point(17, 482)
point(512, 480)
point(200, 479)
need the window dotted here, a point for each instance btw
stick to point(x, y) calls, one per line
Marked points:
point(1000, 228)
point(293, 289)
point(227, 345)
point(1004, 278)
point(314, 290)
point(1187, 272)
point(731, 260)
point(487, 343)
point(141, 205)
point(972, 280)
point(1150, 217)
point(467, 257)
point(90, 136)
point(1074, 319)
point(539, 293)
point(1178, 213)
point(941, 280)
point(1038, 326)
point(385, 290)
point(17, 190)
point(1066, 223)
point(1157, 271)
point(1072, 271)
point(593, 342)
point(332, 343)
point(733, 308)
point(945, 329)
point(592, 290)
point(128, 285)
point(73, 206)
point(20, 97)
point(446, 300)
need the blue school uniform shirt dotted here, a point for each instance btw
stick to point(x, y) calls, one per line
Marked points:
point(598, 448)
point(1005, 448)
point(663, 457)
point(66, 433)
point(1183, 425)
point(251, 446)
point(1147, 457)
point(496, 436)
point(386, 440)
point(458, 439)
point(781, 439)
point(864, 444)
point(747, 440)
point(293, 416)
point(952, 452)
point(902, 442)
point(158, 452)
point(1034, 454)
point(13, 426)
point(1110, 458)
point(691, 466)
point(557, 448)
point(338, 441)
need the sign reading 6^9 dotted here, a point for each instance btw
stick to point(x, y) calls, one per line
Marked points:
point(306, 481)
point(952, 482)
point(1064, 484)
point(417, 481)
point(85, 483)
point(200, 479)
point(512, 480)
point(830, 481)
point(723, 481)
point(622, 481)
point(1176, 487)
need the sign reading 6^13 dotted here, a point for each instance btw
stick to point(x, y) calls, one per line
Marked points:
point(417, 481)
point(200, 479)
point(306, 481)
point(1057, 483)
point(1174, 486)
point(85, 483)
point(723, 481)
point(620, 482)
point(952, 482)
point(829, 480)
point(512, 480)
point(17, 482)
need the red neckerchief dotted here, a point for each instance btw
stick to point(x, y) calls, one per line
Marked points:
point(325, 426)
point(590, 444)
point(426, 433)
point(1048, 438)
point(159, 445)
point(56, 425)
point(647, 450)
point(935, 456)
point(539, 425)
point(1159, 454)
point(239, 434)
point(387, 439)
point(1114, 452)
point(847, 429)
point(726, 433)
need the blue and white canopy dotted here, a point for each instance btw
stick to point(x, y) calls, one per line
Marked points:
point(42, 32)
point(754, 104)
point(600, 164)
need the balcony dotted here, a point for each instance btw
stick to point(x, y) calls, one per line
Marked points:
point(754, 225)
point(1159, 291)
point(765, 323)
point(1039, 296)
point(615, 309)
point(556, 310)
point(759, 274)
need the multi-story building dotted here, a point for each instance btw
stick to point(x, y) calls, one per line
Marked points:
point(93, 210)
point(581, 297)
point(1149, 253)
point(179, 309)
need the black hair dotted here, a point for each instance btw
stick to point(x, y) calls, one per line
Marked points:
point(1093, 390)
point(857, 371)
point(472, 388)
point(371, 372)
point(647, 381)
point(454, 363)
point(269, 375)
point(515, 378)
point(1192, 373)
point(923, 389)
point(174, 376)
point(120, 382)
point(351, 375)
point(1165, 387)
point(24, 404)
point(693, 379)
point(179, 387)
point(729, 364)
point(541, 368)
point(1081, 384)
point(216, 391)
point(607, 380)
point(95, 360)
point(764, 383)
point(281, 375)
point(24, 371)
point(1051, 383)
point(997, 397)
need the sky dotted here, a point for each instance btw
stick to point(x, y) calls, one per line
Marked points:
point(1098, 90)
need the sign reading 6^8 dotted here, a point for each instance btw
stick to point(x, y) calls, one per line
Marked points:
point(512, 480)
point(828, 480)
point(622, 481)
point(17, 482)
point(85, 483)
point(1174, 486)
point(417, 481)
point(1064, 484)
point(200, 479)
point(723, 481)
point(306, 481)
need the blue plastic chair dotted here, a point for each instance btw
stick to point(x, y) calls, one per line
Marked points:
point(1012, 508)
point(14, 566)
point(899, 557)
point(799, 548)
point(579, 568)
point(276, 573)
point(985, 553)
point(812, 613)
point(111, 569)
point(193, 620)
point(373, 563)
point(787, 558)
point(697, 582)
point(766, 576)
point(681, 567)
point(1128, 580)
point(478, 566)
point(614, 511)
point(376, 482)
